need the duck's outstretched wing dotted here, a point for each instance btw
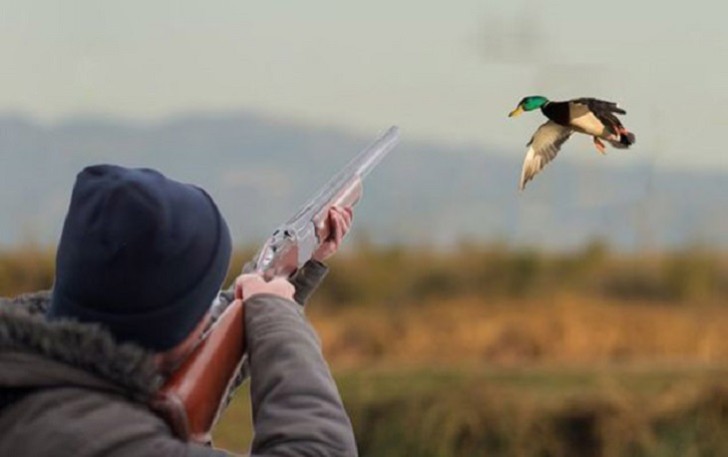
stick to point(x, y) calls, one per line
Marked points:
point(542, 149)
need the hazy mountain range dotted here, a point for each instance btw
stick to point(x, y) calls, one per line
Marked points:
point(260, 170)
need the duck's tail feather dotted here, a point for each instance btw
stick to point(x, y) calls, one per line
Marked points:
point(626, 139)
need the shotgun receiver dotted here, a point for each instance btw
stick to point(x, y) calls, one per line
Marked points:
point(193, 397)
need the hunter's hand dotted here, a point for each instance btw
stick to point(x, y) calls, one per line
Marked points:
point(248, 285)
point(339, 224)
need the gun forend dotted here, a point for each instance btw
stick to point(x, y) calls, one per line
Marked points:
point(294, 242)
point(348, 197)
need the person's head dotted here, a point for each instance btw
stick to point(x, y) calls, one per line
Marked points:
point(140, 254)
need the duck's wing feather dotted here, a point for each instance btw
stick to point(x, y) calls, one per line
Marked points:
point(542, 149)
point(604, 111)
point(600, 106)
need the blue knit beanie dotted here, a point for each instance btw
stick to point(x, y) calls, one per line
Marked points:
point(140, 254)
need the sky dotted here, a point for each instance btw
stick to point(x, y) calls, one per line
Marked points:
point(443, 71)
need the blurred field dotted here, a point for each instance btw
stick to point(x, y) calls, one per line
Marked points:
point(604, 411)
point(487, 350)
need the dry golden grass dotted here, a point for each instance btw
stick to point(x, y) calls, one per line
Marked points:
point(562, 329)
point(25, 269)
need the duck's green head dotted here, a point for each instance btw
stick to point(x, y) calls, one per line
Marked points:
point(529, 104)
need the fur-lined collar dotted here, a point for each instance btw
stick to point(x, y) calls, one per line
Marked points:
point(82, 347)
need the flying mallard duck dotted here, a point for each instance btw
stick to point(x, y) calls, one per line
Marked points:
point(584, 115)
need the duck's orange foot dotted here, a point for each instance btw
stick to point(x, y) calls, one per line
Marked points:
point(600, 146)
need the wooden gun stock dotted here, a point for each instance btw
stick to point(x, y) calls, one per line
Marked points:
point(192, 398)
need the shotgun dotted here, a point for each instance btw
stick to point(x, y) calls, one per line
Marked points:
point(195, 395)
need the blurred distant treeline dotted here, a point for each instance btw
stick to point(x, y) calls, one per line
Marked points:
point(374, 274)
point(395, 273)
point(369, 274)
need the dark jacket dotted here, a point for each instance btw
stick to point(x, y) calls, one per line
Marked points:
point(67, 389)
